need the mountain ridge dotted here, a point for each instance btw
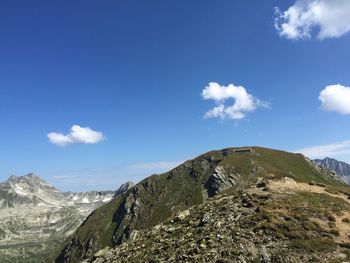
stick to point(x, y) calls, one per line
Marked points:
point(341, 168)
point(161, 196)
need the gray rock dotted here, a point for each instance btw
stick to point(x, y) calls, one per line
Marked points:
point(260, 182)
point(182, 215)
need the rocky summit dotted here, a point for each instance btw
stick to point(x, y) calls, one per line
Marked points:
point(246, 204)
point(35, 216)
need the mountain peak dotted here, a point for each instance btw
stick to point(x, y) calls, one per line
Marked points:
point(28, 189)
point(341, 168)
point(31, 176)
point(12, 178)
point(124, 188)
point(32, 181)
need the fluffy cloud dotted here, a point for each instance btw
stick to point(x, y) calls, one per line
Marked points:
point(335, 98)
point(330, 18)
point(243, 101)
point(77, 135)
point(326, 150)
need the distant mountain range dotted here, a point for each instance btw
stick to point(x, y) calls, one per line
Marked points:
point(35, 216)
point(341, 168)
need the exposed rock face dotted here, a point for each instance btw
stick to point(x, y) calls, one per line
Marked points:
point(159, 197)
point(35, 216)
point(341, 168)
point(220, 180)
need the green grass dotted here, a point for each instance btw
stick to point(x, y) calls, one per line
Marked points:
point(292, 217)
point(314, 245)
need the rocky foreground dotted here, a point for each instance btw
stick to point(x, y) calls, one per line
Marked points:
point(273, 221)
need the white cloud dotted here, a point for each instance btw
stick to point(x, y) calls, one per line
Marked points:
point(161, 165)
point(335, 98)
point(329, 18)
point(77, 135)
point(243, 101)
point(326, 150)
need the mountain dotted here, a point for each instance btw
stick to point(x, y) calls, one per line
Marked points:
point(35, 216)
point(341, 168)
point(271, 221)
point(194, 183)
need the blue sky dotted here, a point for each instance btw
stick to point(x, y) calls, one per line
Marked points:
point(135, 71)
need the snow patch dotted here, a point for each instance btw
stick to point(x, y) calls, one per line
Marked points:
point(106, 199)
point(18, 191)
point(18, 187)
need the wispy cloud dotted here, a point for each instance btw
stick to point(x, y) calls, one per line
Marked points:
point(330, 18)
point(162, 165)
point(326, 150)
point(243, 102)
point(77, 134)
point(62, 177)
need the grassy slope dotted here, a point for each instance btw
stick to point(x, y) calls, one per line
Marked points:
point(291, 226)
point(161, 196)
point(158, 199)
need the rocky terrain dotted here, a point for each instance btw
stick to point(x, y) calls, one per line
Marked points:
point(198, 211)
point(273, 221)
point(35, 216)
point(341, 168)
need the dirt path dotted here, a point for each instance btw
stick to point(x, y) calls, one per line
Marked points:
point(288, 184)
